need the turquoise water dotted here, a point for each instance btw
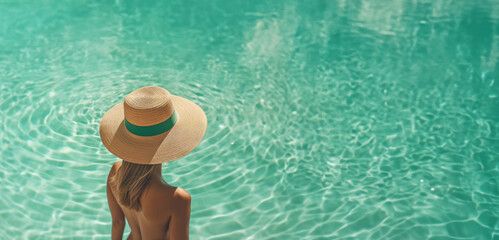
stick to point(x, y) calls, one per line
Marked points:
point(327, 119)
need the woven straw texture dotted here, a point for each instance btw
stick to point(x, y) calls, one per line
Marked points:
point(149, 106)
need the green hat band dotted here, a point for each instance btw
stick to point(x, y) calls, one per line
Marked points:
point(147, 131)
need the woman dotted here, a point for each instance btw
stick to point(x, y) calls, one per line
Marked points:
point(150, 127)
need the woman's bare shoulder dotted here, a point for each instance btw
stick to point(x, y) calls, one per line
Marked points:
point(181, 194)
point(159, 194)
point(159, 200)
point(117, 164)
point(114, 169)
point(159, 191)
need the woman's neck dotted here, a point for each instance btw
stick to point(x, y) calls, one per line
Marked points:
point(156, 172)
point(157, 169)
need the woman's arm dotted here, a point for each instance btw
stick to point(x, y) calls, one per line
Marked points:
point(179, 225)
point(117, 215)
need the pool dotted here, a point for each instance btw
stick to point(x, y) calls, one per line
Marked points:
point(326, 119)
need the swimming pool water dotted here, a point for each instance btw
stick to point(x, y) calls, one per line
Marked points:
point(327, 119)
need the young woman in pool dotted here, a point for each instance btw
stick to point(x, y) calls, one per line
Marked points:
point(150, 127)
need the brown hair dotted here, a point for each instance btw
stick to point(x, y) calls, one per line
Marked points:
point(131, 181)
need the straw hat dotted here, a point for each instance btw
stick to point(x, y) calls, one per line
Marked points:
point(152, 126)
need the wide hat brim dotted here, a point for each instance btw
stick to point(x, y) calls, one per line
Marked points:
point(180, 140)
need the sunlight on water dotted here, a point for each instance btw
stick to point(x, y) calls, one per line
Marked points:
point(326, 119)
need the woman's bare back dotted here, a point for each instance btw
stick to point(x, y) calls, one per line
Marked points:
point(165, 209)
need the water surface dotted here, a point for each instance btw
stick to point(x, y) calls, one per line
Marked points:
point(326, 119)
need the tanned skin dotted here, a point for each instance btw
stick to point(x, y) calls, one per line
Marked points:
point(165, 212)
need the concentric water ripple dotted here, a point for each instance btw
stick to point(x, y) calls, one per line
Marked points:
point(326, 120)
